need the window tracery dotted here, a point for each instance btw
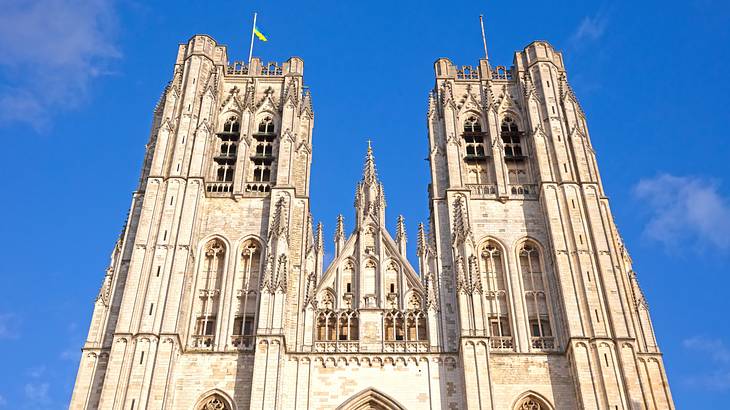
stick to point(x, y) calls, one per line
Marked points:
point(474, 139)
point(214, 402)
point(208, 292)
point(225, 157)
point(263, 156)
point(511, 139)
point(497, 296)
point(248, 279)
point(533, 279)
point(530, 403)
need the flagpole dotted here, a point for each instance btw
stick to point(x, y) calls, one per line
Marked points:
point(484, 37)
point(250, 49)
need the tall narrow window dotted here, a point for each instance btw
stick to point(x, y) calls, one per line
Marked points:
point(511, 139)
point(533, 280)
point(474, 139)
point(497, 297)
point(247, 284)
point(208, 287)
point(263, 156)
point(225, 156)
point(326, 326)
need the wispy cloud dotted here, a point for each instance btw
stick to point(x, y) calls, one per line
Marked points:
point(52, 50)
point(714, 347)
point(718, 356)
point(37, 392)
point(590, 29)
point(9, 326)
point(3, 401)
point(686, 209)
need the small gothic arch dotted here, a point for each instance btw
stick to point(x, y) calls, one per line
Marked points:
point(215, 400)
point(232, 124)
point(531, 400)
point(370, 399)
point(472, 123)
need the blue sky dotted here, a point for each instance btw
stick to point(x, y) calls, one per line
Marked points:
point(79, 80)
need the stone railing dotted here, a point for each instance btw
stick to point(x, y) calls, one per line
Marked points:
point(405, 346)
point(523, 190)
point(258, 188)
point(219, 187)
point(501, 343)
point(241, 342)
point(543, 343)
point(337, 347)
point(500, 72)
point(203, 342)
point(241, 68)
point(237, 68)
point(467, 72)
point(482, 190)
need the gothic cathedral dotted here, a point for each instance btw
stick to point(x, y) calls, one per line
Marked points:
point(217, 296)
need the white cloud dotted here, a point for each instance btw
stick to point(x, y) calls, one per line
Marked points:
point(714, 347)
point(52, 50)
point(3, 401)
point(590, 29)
point(719, 357)
point(37, 392)
point(9, 324)
point(685, 210)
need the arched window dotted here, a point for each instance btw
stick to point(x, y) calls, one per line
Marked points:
point(472, 125)
point(497, 299)
point(210, 278)
point(232, 125)
point(225, 157)
point(415, 323)
point(533, 279)
point(530, 403)
point(348, 327)
point(266, 126)
point(474, 139)
point(394, 326)
point(263, 157)
point(248, 280)
point(214, 402)
point(326, 326)
point(511, 139)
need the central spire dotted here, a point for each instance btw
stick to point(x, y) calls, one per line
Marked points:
point(369, 174)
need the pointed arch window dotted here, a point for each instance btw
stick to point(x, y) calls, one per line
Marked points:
point(225, 156)
point(214, 402)
point(263, 157)
point(497, 296)
point(536, 298)
point(326, 326)
point(511, 139)
point(474, 139)
point(248, 281)
point(394, 326)
point(208, 286)
point(530, 403)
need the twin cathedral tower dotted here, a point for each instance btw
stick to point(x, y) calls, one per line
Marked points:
point(217, 297)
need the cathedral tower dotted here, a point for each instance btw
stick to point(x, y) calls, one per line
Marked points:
point(217, 296)
point(533, 269)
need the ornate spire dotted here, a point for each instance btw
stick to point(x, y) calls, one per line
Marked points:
point(319, 238)
point(461, 228)
point(369, 175)
point(422, 244)
point(340, 230)
point(278, 224)
point(400, 235)
point(400, 230)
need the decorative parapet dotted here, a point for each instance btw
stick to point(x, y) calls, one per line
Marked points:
point(406, 347)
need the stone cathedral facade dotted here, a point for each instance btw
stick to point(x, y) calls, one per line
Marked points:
point(217, 296)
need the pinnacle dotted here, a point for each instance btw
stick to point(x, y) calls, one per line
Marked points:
point(370, 175)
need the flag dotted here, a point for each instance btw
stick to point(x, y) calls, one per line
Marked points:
point(259, 34)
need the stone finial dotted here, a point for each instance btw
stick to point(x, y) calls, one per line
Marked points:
point(279, 223)
point(340, 230)
point(422, 241)
point(369, 174)
point(400, 235)
point(319, 238)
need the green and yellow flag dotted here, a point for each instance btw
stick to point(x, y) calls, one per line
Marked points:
point(259, 34)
